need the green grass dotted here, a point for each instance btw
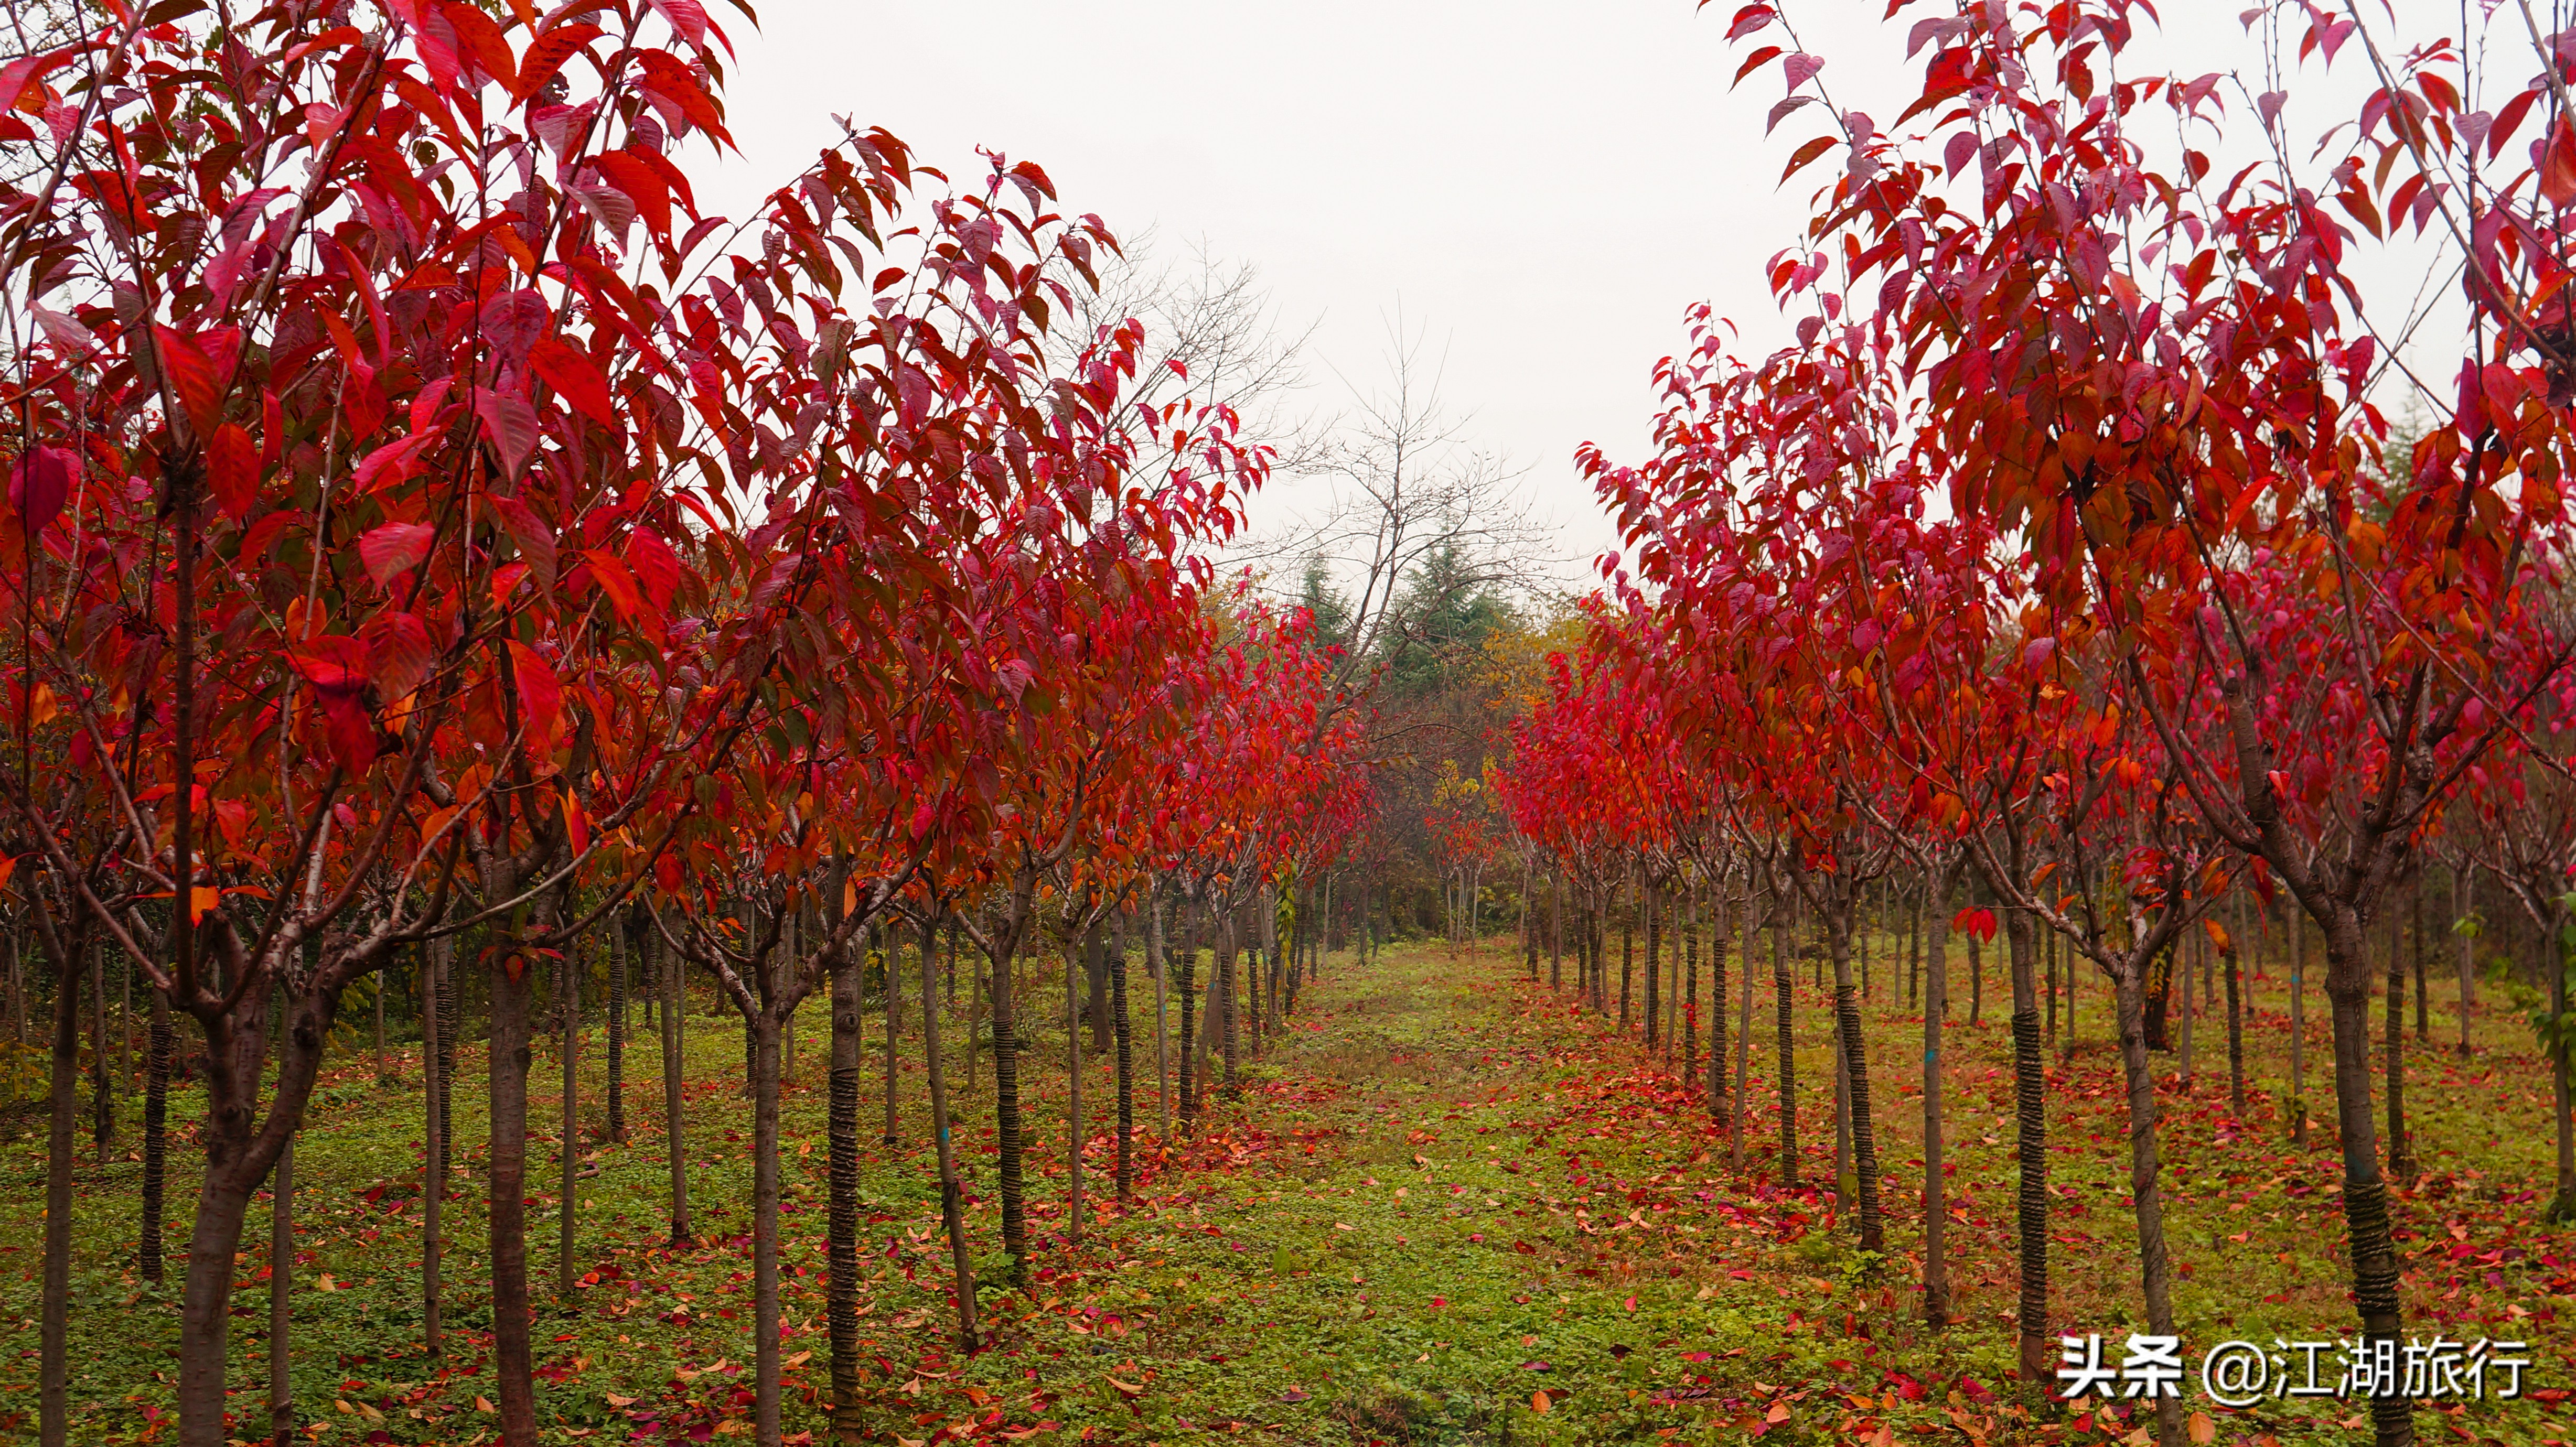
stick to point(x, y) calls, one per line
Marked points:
point(1444, 1192)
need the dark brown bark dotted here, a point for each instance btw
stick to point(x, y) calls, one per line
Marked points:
point(1187, 985)
point(1076, 964)
point(568, 1148)
point(53, 1392)
point(2401, 1150)
point(156, 1135)
point(1932, 917)
point(1126, 1174)
point(2038, 1349)
point(2372, 1248)
point(764, 1221)
point(841, 1230)
point(616, 1062)
point(893, 1028)
point(1654, 965)
point(952, 1207)
point(433, 1162)
point(1717, 943)
point(506, 1188)
point(1780, 987)
point(2146, 1192)
point(675, 1134)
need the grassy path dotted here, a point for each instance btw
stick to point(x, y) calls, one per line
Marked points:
point(1451, 1208)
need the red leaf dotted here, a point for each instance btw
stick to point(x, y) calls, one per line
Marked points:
point(2558, 165)
point(232, 467)
point(398, 652)
point(645, 187)
point(617, 583)
point(540, 697)
point(654, 566)
point(332, 663)
point(1749, 19)
point(395, 548)
point(193, 378)
point(38, 484)
point(1799, 158)
point(547, 54)
point(536, 539)
point(569, 372)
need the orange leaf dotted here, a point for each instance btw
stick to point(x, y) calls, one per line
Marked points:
point(1539, 1403)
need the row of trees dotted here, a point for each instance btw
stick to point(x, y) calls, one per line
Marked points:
point(434, 546)
point(2063, 551)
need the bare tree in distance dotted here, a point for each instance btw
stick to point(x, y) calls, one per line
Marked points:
point(1212, 333)
point(1415, 521)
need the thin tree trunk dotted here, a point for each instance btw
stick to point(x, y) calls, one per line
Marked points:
point(1233, 1013)
point(433, 1158)
point(1126, 1176)
point(1654, 965)
point(2415, 908)
point(1855, 1065)
point(102, 1122)
point(1006, 1111)
point(1780, 986)
point(2030, 1113)
point(2299, 1032)
point(952, 1208)
point(675, 1120)
point(1076, 964)
point(2401, 1151)
point(2372, 1249)
point(1690, 989)
point(616, 1101)
point(514, 1363)
point(841, 1131)
point(568, 1151)
point(156, 1134)
point(893, 1028)
point(281, 1298)
point(1932, 927)
point(765, 1427)
point(1717, 942)
point(1189, 1056)
point(2462, 901)
point(1627, 954)
point(53, 1393)
point(2146, 1191)
point(1743, 1044)
point(1159, 961)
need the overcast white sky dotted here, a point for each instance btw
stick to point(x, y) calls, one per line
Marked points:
point(1542, 188)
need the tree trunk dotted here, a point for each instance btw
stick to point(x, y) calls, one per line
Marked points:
point(1933, 925)
point(1006, 1111)
point(1076, 964)
point(1159, 962)
point(841, 1247)
point(506, 1185)
point(2372, 1249)
point(893, 1028)
point(675, 1118)
point(616, 1028)
point(281, 1298)
point(1855, 1064)
point(156, 1134)
point(1189, 1055)
point(433, 1158)
point(2462, 901)
point(1627, 954)
point(1654, 965)
point(1690, 990)
point(764, 1218)
point(952, 1206)
point(53, 1411)
point(568, 1150)
point(1717, 942)
point(102, 1121)
point(2146, 1191)
point(2030, 1112)
point(1780, 986)
point(1126, 1176)
point(1225, 968)
point(2297, 927)
point(2415, 908)
point(2401, 1151)
point(1743, 1045)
